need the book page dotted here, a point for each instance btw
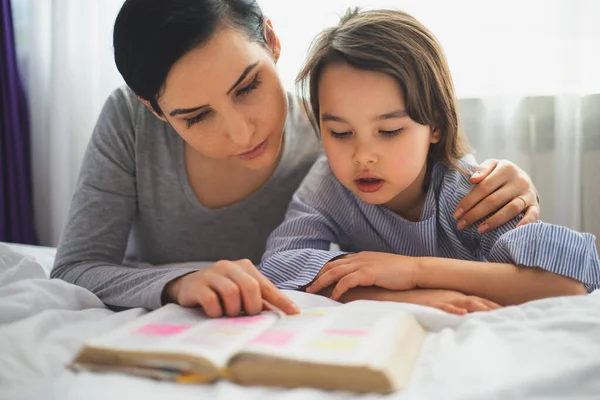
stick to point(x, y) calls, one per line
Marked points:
point(308, 300)
point(175, 329)
point(343, 335)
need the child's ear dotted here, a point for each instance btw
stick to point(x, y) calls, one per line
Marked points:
point(147, 104)
point(272, 39)
point(436, 136)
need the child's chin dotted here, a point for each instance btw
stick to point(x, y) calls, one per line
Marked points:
point(375, 199)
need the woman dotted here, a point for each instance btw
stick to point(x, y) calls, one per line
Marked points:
point(197, 161)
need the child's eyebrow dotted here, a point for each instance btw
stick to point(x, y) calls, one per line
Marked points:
point(393, 114)
point(390, 115)
point(330, 117)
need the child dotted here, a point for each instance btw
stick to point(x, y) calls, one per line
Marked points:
point(383, 98)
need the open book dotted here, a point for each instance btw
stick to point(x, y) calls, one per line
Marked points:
point(348, 347)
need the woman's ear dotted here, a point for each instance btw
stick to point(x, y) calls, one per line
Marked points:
point(272, 39)
point(149, 105)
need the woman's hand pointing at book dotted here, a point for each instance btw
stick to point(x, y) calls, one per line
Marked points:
point(227, 288)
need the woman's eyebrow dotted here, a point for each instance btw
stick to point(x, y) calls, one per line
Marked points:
point(186, 110)
point(243, 76)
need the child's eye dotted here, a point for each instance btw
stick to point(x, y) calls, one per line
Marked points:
point(340, 135)
point(249, 88)
point(193, 120)
point(391, 133)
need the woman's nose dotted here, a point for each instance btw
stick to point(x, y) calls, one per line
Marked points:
point(241, 131)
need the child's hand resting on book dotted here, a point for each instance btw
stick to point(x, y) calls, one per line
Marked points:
point(227, 287)
point(395, 276)
point(367, 268)
point(451, 301)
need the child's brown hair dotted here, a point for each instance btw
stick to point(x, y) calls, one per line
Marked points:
point(396, 44)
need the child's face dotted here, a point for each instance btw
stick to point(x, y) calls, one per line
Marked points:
point(373, 147)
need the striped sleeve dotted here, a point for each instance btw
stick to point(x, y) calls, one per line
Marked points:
point(554, 248)
point(299, 247)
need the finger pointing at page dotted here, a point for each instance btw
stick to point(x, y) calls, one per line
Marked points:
point(270, 293)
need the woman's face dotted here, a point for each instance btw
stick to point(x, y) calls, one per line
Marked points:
point(226, 100)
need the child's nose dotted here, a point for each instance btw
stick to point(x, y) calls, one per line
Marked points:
point(364, 155)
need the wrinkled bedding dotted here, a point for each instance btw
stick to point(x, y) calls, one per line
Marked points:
point(543, 349)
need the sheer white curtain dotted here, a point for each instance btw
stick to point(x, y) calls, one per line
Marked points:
point(527, 73)
point(68, 68)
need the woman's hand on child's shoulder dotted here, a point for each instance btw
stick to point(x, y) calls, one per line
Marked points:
point(451, 301)
point(503, 189)
point(228, 288)
point(389, 271)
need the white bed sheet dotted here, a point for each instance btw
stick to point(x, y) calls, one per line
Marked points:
point(543, 349)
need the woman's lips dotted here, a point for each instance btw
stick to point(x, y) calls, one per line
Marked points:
point(254, 152)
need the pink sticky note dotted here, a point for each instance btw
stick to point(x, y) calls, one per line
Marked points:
point(162, 329)
point(243, 320)
point(275, 338)
point(345, 332)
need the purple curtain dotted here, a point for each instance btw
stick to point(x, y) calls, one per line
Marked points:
point(16, 211)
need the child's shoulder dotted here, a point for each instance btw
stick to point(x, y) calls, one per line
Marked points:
point(459, 176)
point(453, 183)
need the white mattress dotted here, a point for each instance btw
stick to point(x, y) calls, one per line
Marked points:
point(543, 349)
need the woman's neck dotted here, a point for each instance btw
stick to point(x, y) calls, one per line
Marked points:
point(221, 183)
point(409, 203)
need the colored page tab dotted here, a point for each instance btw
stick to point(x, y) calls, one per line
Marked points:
point(274, 338)
point(242, 320)
point(161, 329)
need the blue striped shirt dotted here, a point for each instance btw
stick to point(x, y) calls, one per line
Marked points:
point(323, 212)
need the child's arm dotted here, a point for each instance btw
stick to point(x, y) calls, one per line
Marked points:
point(451, 301)
point(299, 247)
point(530, 262)
point(524, 263)
point(505, 284)
point(297, 250)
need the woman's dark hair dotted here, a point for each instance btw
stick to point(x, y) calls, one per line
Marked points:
point(151, 35)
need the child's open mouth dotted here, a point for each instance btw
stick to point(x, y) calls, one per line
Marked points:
point(369, 185)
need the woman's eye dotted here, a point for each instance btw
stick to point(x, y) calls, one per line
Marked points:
point(250, 87)
point(194, 120)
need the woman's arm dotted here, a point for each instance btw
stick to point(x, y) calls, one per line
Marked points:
point(93, 242)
